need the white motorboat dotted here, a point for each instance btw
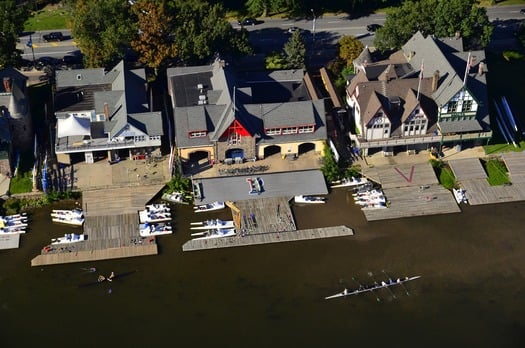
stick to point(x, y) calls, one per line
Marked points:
point(309, 199)
point(12, 229)
point(158, 208)
point(74, 213)
point(175, 197)
point(348, 182)
point(371, 200)
point(368, 193)
point(148, 216)
point(148, 230)
point(69, 220)
point(7, 222)
point(69, 238)
point(460, 195)
point(216, 233)
point(212, 224)
point(209, 207)
point(14, 217)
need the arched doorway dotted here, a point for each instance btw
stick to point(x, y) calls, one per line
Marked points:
point(272, 150)
point(306, 147)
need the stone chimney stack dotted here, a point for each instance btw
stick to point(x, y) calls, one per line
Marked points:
point(106, 111)
point(435, 80)
point(7, 84)
point(481, 68)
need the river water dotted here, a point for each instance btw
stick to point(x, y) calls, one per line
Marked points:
point(471, 292)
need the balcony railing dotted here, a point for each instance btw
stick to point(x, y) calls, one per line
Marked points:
point(64, 146)
point(428, 139)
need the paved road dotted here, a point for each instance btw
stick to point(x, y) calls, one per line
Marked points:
point(271, 34)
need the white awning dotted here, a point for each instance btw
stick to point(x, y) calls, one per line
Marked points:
point(73, 125)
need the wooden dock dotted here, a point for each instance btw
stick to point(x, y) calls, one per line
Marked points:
point(267, 238)
point(266, 215)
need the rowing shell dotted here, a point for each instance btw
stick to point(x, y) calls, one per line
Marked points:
point(383, 284)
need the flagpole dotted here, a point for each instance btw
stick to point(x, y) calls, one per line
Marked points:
point(30, 44)
point(467, 70)
point(420, 78)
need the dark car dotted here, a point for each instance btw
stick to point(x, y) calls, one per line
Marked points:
point(71, 60)
point(373, 27)
point(522, 11)
point(248, 21)
point(43, 62)
point(54, 36)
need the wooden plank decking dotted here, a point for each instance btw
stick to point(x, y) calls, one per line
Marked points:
point(266, 238)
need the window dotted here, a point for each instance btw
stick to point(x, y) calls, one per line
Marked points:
point(140, 138)
point(306, 129)
point(467, 105)
point(198, 134)
point(452, 106)
point(290, 130)
point(273, 131)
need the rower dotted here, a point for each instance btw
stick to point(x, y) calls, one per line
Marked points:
point(345, 291)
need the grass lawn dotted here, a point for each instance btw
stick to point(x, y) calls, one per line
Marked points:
point(497, 172)
point(49, 18)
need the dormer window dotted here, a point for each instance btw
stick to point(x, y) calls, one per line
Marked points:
point(198, 134)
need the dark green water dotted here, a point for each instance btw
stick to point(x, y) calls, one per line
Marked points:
point(471, 293)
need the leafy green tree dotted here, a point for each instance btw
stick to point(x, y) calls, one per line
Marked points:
point(12, 18)
point(154, 42)
point(102, 29)
point(330, 169)
point(295, 51)
point(202, 31)
point(442, 18)
point(349, 49)
point(275, 61)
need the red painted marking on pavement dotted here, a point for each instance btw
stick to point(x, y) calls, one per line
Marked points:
point(410, 177)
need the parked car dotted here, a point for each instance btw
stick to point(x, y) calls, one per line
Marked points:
point(43, 62)
point(248, 21)
point(373, 27)
point(522, 11)
point(72, 60)
point(292, 29)
point(54, 36)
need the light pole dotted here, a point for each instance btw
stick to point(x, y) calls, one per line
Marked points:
point(313, 25)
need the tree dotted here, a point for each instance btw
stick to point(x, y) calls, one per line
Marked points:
point(12, 18)
point(154, 42)
point(295, 51)
point(102, 29)
point(349, 49)
point(442, 18)
point(202, 31)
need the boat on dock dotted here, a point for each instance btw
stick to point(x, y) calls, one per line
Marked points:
point(256, 185)
point(349, 182)
point(368, 193)
point(147, 216)
point(460, 195)
point(373, 206)
point(12, 229)
point(370, 200)
point(158, 208)
point(212, 224)
point(148, 230)
point(175, 197)
point(309, 199)
point(69, 238)
point(376, 286)
point(216, 233)
point(209, 207)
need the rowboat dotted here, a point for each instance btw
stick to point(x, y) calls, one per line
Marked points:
point(309, 199)
point(367, 288)
point(217, 233)
point(211, 224)
point(74, 213)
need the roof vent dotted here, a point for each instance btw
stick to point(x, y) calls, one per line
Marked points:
point(79, 76)
point(200, 86)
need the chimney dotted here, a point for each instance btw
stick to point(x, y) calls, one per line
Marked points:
point(106, 111)
point(435, 80)
point(481, 68)
point(457, 35)
point(7, 84)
